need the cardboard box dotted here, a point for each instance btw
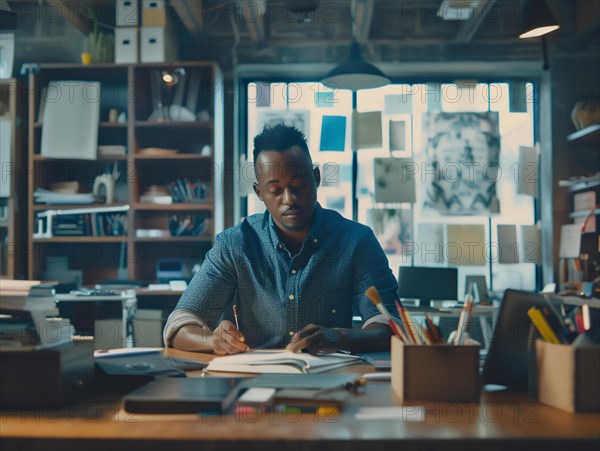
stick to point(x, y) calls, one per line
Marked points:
point(126, 45)
point(568, 376)
point(157, 45)
point(154, 13)
point(127, 13)
point(438, 373)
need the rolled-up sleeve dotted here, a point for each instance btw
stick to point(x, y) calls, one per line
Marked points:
point(177, 319)
point(211, 289)
point(372, 268)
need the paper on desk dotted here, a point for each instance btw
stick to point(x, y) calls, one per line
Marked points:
point(99, 353)
point(404, 414)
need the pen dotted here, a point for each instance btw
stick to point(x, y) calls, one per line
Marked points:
point(235, 315)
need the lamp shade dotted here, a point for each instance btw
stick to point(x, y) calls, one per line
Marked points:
point(355, 74)
point(536, 19)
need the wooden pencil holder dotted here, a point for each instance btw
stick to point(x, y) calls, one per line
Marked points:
point(438, 373)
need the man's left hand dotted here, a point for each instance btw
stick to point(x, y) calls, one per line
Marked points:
point(315, 339)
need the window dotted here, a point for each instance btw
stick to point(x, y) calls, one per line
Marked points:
point(410, 115)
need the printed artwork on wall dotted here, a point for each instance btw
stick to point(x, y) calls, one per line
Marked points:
point(393, 229)
point(462, 153)
point(299, 119)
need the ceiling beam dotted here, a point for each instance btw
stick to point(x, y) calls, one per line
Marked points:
point(253, 11)
point(73, 15)
point(362, 17)
point(470, 27)
point(190, 13)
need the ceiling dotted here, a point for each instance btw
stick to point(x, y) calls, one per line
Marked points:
point(316, 31)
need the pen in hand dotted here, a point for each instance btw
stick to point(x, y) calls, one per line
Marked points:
point(235, 315)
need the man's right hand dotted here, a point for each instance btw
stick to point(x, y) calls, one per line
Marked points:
point(226, 339)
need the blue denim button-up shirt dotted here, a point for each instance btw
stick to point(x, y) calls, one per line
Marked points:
point(277, 294)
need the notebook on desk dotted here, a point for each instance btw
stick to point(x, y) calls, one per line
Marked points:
point(280, 361)
point(168, 395)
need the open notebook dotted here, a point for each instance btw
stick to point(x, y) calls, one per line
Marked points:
point(280, 361)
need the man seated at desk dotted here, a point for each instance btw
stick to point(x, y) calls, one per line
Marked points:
point(296, 273)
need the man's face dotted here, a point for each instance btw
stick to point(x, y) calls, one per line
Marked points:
point(287, 184)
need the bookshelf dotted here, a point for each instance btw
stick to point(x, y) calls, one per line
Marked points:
point(584, 183)
point(13, 200)
point(187, 150)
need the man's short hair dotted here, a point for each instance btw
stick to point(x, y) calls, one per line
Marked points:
point(280, 138)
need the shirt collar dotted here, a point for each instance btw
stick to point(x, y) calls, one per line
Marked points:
point(314, 233)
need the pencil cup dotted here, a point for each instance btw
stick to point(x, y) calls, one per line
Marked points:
point(567, 376)
point(437, 373)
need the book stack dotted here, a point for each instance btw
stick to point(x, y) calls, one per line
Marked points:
point(184, 191)
point(91, 224)
point(186, 225)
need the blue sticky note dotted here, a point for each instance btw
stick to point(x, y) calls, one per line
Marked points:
point(333, 133)
point(325, 99)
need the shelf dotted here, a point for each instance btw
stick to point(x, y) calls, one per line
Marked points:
point(177, 156)
point(174, 239)
point(82, 239)
point(174, 124)
point(581, 183)
point(41, 158)
point(590, 133)
point(44, 207)
point(207, 206)
point(100, 125)
point(583, 214)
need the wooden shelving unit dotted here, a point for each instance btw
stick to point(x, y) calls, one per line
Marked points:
point(13, 203)
point(129, 89)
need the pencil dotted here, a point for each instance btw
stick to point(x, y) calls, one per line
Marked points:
point(373, 296)
point(235, 315)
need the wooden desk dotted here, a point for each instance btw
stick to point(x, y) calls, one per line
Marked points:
point(502, 421)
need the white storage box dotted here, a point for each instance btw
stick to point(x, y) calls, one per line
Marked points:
point(126, 45)
point(154, 13)
point(157, 45)
point(127, 13)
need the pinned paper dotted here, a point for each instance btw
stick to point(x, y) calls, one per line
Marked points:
point(263, 94)
point(508, 248)
point(71, 118)
point(333, 133)
point(528, 174)
point(7, 169)
point(325, 99)
point(430, 243)
point(247, 177)
point(466, 245)
point(394, 180)
point(532, 244)
point(398, 135)
point(393, 229)
point(570, 241)
point(584, 201)
point(367, 130)
point(398, 104)
point(517, 97)
point(300, 119)
point(433, 93)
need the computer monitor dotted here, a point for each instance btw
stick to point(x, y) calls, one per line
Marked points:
point(427, 284)
point(506, 361)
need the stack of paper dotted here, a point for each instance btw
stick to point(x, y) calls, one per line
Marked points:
point(44, 196)
point(280, 361)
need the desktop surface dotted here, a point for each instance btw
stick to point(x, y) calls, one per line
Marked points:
point(500, 421)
